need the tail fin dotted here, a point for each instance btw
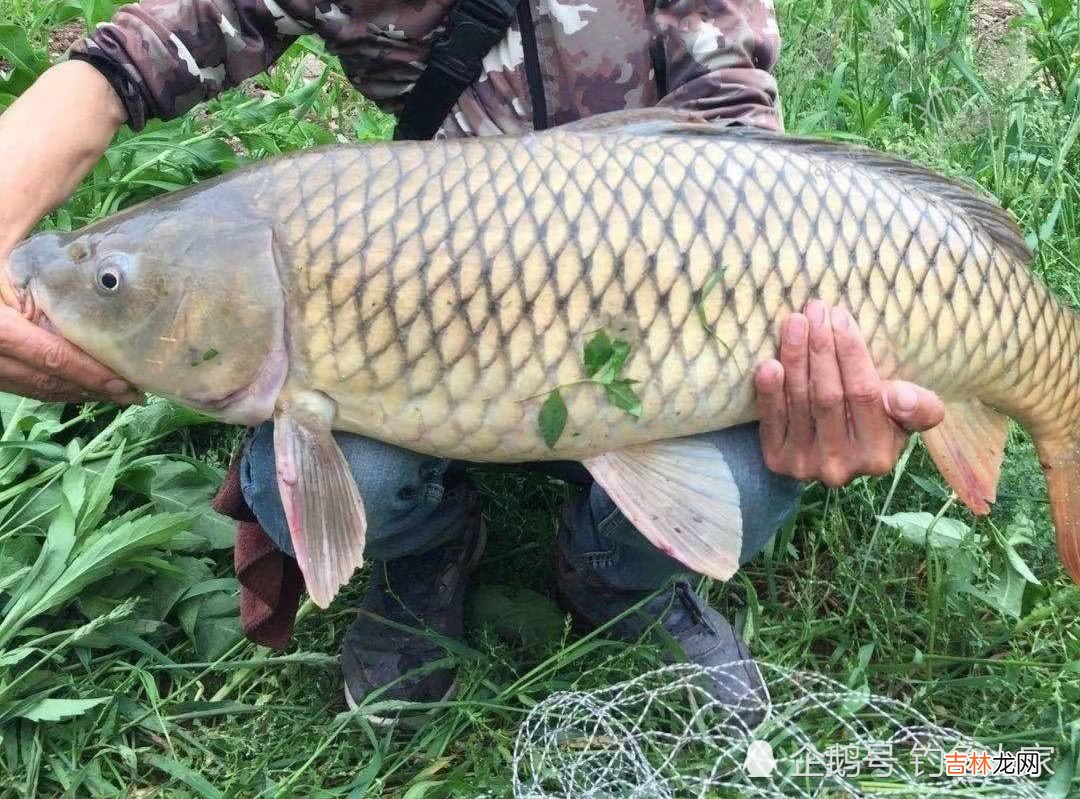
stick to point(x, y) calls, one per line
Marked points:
point(1061, 465)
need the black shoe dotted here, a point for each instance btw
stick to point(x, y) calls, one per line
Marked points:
point(701, 634)
point(410, 604)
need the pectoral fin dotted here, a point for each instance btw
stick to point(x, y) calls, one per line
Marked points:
point(322, 503)
point(681, 495)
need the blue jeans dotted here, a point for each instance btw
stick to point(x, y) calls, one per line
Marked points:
point(410, 510)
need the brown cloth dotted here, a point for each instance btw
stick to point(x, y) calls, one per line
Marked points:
point(270, 581)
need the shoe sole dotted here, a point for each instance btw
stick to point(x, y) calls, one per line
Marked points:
point(469, 567)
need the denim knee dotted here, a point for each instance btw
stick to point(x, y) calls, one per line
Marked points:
point(599, 539)
point(407, 505)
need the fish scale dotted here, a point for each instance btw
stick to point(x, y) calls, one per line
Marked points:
point(446, 290)
point(432, 295)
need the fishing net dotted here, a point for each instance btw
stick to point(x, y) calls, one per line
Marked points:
point(661, 736)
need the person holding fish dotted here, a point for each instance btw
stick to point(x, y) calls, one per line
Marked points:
point(825, 413)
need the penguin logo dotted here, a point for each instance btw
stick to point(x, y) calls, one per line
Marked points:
point(759, 759)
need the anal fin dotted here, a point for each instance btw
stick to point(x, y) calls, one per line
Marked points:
point(322, 503)
point(680, 494)
point(967, 448)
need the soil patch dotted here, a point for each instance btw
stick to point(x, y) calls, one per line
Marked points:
point(996, 45)
point(61, 39)
point(990, 21)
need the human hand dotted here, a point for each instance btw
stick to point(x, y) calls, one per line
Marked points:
point(43, 163)
point(825, 412)
point(39, 364)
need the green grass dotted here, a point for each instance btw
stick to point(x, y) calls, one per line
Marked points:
point(187, 709)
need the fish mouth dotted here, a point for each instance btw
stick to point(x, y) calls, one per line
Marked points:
point(20, 296)
point(28, 307)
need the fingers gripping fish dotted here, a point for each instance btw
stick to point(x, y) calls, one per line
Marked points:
point(430, 295)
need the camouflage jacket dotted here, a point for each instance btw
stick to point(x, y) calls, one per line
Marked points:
point(581, 57)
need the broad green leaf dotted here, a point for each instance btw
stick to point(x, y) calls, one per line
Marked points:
point(9, 577)
point(109, 552)
point(373, 126)
point(1020, 565)
point(33, 510)
point(12, 657)
point(26, 420)
point(46, 570)
point(1007, 593)
point(598, 351)
point(1021, 530)
point(213, 585)
point(96, 11)
point(24, 62)
point(1046, 229)
point(183, 486)
point(125, 582)
point(944, 534)
point(101, 492)
point(604, 358)
point(552, 418)
point(187, 613)
point(961, 565)
point(620, 351)
point(621, 394)
point(73, 484)
point(215, 636)
point(167, 589)
point(59, 709)
point(157, 417)
point(46, 449)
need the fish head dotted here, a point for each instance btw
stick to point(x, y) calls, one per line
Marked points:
point(181, 306)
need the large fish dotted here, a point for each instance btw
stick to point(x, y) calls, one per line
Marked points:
point(433, 294)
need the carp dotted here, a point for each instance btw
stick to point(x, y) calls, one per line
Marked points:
point(432, 295)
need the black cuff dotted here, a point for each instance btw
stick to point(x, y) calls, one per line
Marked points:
point(125, 88)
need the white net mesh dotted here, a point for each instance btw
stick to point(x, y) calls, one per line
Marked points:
point(662, 736)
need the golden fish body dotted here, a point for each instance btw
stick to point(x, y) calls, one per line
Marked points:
point(438, 293)
point(432, 295)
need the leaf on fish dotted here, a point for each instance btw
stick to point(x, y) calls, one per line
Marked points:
point(552, 418)
point(621, 394)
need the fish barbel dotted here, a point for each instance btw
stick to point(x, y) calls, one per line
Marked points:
point(432, 295)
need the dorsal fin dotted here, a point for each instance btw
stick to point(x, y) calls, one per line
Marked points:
point(980, 207)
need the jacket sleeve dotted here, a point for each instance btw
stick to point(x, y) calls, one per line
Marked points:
point(164, 56)
point(719, 56)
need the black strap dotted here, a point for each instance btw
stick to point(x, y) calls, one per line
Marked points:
point(659, 64)
point(657, 51)
point(473, 27)
point(531, 53)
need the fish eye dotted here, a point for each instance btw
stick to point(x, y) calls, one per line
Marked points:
point(110, 276)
